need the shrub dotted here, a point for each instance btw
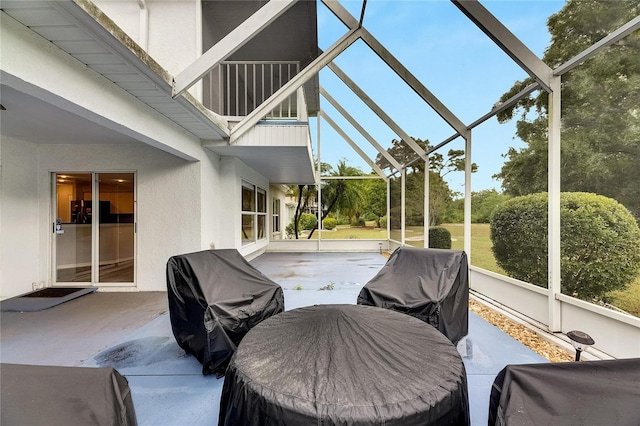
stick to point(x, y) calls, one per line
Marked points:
point(359, 222)
point(368, 217)
point(289, 230)
point(383, 222)
point(308, 221)
point(329, 223)
point(600, 242)
point(439, 238)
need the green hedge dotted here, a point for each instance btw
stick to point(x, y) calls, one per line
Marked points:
point(439, 238)
point(600, 242)
point(308, 221)
point(329, 223)
point(359, 222)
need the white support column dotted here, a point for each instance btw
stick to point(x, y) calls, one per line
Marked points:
point(426, 222)
point(403, 182)
point(388, 209)
point(554, 254)
point(319, 182)
point(467, 195)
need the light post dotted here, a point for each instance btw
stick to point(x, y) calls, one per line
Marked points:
point(581, 341)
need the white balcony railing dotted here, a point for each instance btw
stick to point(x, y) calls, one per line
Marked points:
point(235, 88)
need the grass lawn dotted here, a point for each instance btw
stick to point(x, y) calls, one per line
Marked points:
point(481, 254)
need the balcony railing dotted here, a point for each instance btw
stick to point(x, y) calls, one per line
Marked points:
point(235, 88)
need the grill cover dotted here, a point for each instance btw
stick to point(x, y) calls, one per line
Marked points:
point(44, 395)
point(592, 393)
point(344, 365)
point(429, 284)
point(215, 297)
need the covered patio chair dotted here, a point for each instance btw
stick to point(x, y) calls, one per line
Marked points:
point(429, 284)
point(215, 298)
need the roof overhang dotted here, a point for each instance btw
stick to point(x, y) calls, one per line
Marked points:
point(279, 150)
point(79, 28)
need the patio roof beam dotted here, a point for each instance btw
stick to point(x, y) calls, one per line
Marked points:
point(377, 110)
point(359, 128)
point(229, 44)
point(495, 111)
point(353, 145)
point(613, 37)
point(292, 85)
point(353, 177)
point(406, 76)
point(507, 41)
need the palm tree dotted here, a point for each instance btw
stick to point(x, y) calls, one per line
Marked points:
point(342, 194)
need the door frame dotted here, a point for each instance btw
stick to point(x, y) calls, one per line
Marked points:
point(95, 237)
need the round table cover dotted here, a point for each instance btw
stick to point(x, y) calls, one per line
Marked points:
point(347, 365)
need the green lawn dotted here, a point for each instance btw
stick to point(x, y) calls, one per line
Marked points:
point(481, 254)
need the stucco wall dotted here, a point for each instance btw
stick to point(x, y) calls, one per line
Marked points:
point(168, 200)
point(18, 217)
point(172, 36)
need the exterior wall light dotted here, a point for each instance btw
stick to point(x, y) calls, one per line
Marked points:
point(580, 340)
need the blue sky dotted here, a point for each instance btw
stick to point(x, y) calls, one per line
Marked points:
point(450, 56)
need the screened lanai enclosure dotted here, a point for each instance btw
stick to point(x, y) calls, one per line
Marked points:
point(567, 123)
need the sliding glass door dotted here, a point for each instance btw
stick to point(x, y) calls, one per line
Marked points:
point(94, 228)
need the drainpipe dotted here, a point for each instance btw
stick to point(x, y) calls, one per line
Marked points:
point(144, 25)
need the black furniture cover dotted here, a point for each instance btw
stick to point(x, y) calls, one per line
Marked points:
point(46, 395)
point(568, 393)
point(429, 284)
point(344, 365)
point(215, 297)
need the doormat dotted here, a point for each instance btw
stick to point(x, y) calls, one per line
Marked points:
point(46, 298)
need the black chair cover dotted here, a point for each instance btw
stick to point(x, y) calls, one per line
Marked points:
point(215, 298)
point(429, 284)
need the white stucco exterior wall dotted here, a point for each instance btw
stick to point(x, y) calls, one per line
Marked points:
point(173, 33)
point(68, 83)
point(18, 217)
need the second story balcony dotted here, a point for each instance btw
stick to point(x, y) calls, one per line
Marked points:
point(236, 88)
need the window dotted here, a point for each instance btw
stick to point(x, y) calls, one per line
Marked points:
point(254, 213)
point(275, 213)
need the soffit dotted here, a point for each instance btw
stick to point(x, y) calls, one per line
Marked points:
point(85, 33)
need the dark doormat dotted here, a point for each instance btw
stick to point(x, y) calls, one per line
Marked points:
point(46, 298)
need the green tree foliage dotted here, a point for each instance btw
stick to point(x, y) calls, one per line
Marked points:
point(344, 195)
point(483, 203)
point(308, 221)
point(439, 238)
point(440, 195)
point(600, 109)
point(600, 248)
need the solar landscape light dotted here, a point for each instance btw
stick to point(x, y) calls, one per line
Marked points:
point(580, 340)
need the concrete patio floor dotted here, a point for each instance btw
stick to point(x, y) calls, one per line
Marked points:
point(132, 333)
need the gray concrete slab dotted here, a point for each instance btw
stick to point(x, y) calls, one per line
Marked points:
point(132, 332)
point(74, 331)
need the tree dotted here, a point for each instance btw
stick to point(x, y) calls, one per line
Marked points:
point(345, 195)
point(440, 195)
point(600, 248)
point(600, 109)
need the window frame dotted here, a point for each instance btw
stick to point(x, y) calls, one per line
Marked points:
point(253, 222)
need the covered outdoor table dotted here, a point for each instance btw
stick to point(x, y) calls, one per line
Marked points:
point(568, 393)
point(51, 395)
point(344, 365)
point(215, 297)
point(429, 284)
